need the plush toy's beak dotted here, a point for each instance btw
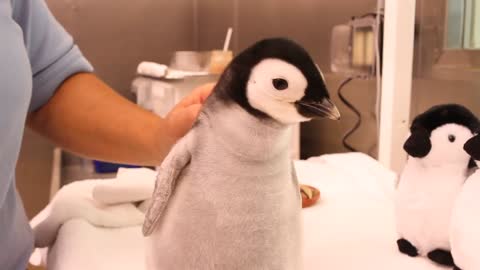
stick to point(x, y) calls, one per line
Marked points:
point(472, 147)
point(318, 109)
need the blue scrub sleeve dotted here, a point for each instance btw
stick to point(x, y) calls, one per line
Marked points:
point(52, 52)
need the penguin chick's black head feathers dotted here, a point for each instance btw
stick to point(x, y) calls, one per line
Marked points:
point(418, 144)
point(233, 82)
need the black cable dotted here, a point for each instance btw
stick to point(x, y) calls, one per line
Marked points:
point(354, 110)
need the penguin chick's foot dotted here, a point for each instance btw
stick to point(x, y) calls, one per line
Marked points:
point(441, 256)
point(405, 247)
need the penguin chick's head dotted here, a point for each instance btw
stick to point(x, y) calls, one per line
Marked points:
point(438, 135)
point(277, 78)
point(472, 147)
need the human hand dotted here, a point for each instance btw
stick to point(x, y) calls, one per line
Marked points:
point(181, 118)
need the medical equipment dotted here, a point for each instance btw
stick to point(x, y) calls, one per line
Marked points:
point(159, 87)
point(356, 53)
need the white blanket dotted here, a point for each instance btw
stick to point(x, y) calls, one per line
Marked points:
point(351, 227)
point(131, 185)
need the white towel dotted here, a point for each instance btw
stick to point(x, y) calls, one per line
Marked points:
point(159, 71)
point(132, 185)
point(152, 69)
point(111, 207)
point(75, 201)
point(104, 203)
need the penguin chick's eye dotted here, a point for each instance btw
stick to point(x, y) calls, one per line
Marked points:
point(451, 138)
point(280, 84)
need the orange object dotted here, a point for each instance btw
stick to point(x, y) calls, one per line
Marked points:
point(308, 200)
point(219, 60)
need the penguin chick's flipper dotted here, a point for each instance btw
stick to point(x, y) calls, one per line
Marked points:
point(405, 247)
point(441, 256)
point(176, 160)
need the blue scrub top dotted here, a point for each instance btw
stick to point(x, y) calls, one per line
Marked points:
point(36, 56)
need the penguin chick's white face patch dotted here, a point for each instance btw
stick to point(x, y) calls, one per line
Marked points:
point(447, 145)
point(273, 88)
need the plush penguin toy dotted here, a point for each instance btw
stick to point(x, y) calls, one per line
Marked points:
point(436, 169)
point(226, 196)
point(465, 224)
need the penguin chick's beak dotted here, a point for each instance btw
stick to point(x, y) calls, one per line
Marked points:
point(318, 109)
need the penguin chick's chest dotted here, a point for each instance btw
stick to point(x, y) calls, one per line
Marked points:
point(238, 196)
point(240, 187)
point(242, 213)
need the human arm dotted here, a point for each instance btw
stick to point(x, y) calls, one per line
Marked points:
point(79, 112)
point(87, 117)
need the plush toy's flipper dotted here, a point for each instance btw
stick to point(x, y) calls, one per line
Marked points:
point(172, 166)
point(405, 247)
point(418, 144)
point(441, 256)
point(456, 268)
point(471, 163)
point(472, 147)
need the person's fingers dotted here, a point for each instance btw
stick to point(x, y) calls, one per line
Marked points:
point(182, 119)
point(198, 95)
point(185, 115)
point(194, 110)
point(201, 93)
point(205, 91)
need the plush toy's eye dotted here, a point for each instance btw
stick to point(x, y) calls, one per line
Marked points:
point(451, 138)
point(280, 84)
